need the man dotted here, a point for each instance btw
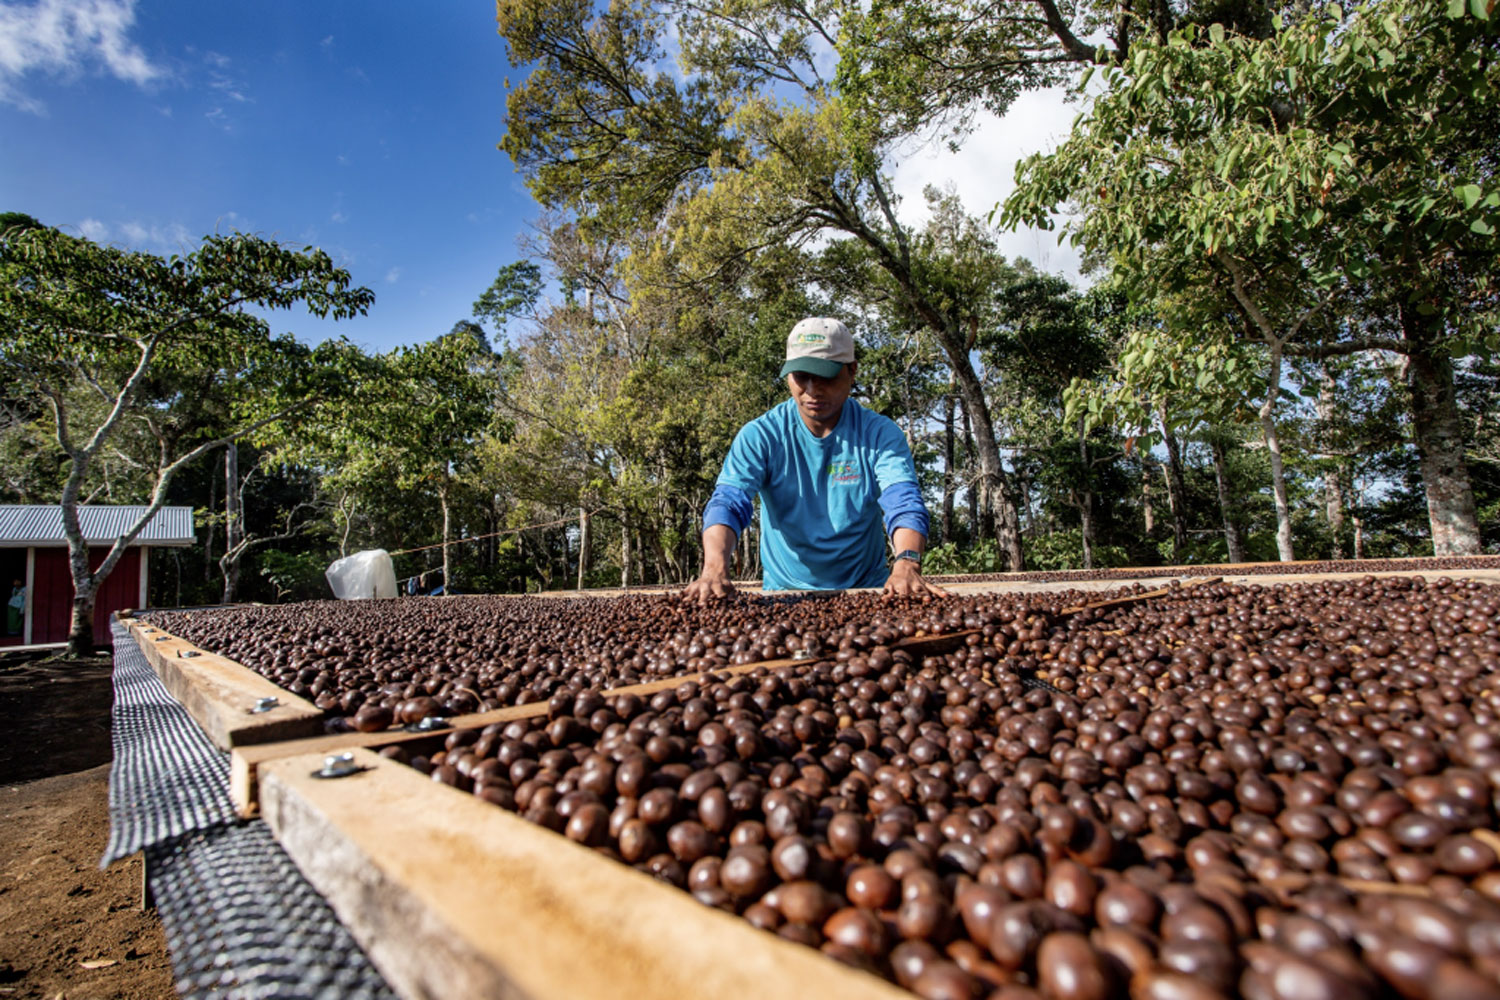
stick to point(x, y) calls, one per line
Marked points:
point(826, 470)
point(15, 608)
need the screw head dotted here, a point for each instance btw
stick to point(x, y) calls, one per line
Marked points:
point(338, 765)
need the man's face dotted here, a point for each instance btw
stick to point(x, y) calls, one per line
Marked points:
point(821, 400)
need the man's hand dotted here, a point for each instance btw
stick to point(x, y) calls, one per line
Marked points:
point(711, 586)
point(906, 581)
point(713, 583)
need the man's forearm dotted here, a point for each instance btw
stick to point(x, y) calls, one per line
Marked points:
point(908, 538)
point(718, 548)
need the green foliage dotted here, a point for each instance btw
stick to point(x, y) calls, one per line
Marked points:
point(513, 293)
point(123, 347)
point(1064, 550)
point(983, 556)
point(1340, 149)
point(295, 576)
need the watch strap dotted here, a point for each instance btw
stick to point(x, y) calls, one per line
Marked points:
point(910, 555)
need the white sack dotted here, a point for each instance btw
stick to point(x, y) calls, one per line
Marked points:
point(363, 575)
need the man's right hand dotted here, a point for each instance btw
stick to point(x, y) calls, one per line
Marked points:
point(711, 586)
point(718, 553)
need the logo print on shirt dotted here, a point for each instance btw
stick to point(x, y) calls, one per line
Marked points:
point(844, 471)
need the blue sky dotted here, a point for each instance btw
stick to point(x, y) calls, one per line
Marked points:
point(368, 129)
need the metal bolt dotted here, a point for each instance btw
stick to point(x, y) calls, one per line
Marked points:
point(427, 725)
point(265, 704)
point(338, 765)
point(162, 638)
point(187, 652)
point(802, 654)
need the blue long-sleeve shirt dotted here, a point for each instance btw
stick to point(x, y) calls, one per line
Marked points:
point(824, 501)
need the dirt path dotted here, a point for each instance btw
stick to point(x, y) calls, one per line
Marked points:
point(67, 930)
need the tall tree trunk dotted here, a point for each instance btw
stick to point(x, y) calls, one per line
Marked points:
point(1146, 506)
point(447, 527)
point(1333, 494)
point(208, 538)
point(976, 527)
point(1273, 448)
point(1085, 498)
point(948, 448)
point(1359, 538)
point(585, 542)
point(1333, 503)
point(996, 496)
point(625, 560)
point(1221, 480)
point(1176, 488)
point(1438, 435)
point(745, 553)
point(234, 524)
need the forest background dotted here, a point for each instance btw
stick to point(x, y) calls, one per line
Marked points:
point(1282, 347)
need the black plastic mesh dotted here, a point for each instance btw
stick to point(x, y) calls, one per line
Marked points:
point(244, 923)
point(241, 921)
point(167, 779)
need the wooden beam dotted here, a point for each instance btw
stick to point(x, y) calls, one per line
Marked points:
point(453, 897)
point(220, 694)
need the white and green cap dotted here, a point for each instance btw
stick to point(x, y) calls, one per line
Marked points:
point(818, 346)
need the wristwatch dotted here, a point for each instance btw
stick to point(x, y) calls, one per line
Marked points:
point(910, 555)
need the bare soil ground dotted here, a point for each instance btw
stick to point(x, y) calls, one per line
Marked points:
point(67, 929)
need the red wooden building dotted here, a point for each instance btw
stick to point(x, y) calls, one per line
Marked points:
point(34, 552)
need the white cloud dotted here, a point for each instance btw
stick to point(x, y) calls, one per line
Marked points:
point(393, 275)
point(62, 38)
point(327, 42)
point(93, 229)
point(218, 59)
point(983, 173)
point(230, 88)
point(338, 216)
point(170, 238)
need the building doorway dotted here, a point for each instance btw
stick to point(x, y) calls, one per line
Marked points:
point(12, 577)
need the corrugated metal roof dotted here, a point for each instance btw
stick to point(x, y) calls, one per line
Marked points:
point(41, 524)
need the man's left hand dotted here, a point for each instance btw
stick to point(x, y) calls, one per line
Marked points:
point(906, 581)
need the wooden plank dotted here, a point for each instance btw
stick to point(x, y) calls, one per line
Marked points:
point(453, 897)
point(220, 693)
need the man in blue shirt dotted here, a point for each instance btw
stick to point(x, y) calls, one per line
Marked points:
point(834, 479)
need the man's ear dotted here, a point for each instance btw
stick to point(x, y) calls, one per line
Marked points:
point(853, 367)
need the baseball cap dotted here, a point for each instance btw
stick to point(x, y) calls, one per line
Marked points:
point(818, 346)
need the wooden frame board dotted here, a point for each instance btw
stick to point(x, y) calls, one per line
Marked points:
point(220, 694)
point(254, 745)
point(452, 897)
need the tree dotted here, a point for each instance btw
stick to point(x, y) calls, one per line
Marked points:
point(1044, 340)
point(751, 151)
point(912, 66)
point(514, 292)
point(131, 330)
point(1338, 159)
